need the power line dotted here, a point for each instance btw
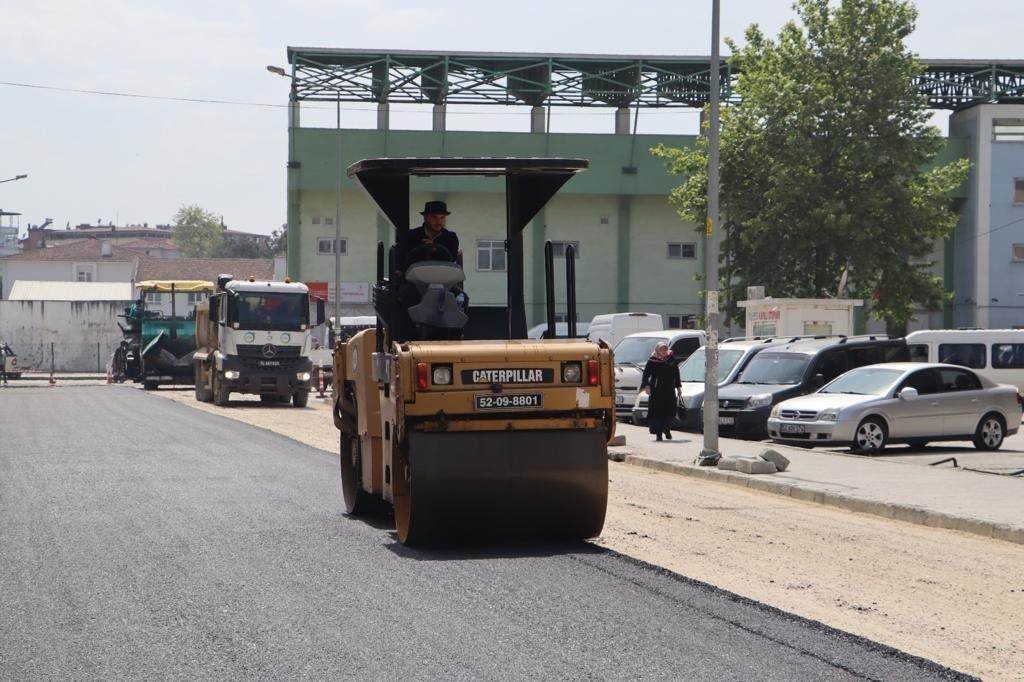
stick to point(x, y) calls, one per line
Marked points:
point(994, 229)
point(306, 107)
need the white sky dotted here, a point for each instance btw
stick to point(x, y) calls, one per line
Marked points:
point(96, 158)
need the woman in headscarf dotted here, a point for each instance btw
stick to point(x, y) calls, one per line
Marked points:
point(661, 382)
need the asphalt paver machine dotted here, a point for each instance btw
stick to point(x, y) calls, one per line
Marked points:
point(471, 438)
point(157, 347)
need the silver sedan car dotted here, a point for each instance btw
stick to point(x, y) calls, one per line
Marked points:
point(900, 402)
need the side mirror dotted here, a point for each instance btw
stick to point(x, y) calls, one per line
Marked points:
point(321, 314)
point(908, 393)
point(214, 308)
point(818, 380)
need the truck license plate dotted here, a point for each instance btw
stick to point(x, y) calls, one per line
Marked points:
point(793, 428)
point(508, 401)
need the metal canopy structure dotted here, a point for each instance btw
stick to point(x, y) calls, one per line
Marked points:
point(581, 80)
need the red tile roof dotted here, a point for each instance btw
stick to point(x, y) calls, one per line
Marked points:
point(85, 250)
point(141, 244)
point(206, 269)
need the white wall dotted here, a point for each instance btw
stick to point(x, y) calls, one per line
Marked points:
point(61, 271)
point(78, 330)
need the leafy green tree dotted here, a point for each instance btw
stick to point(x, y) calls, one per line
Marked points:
point(828, 163)
point(198, 233)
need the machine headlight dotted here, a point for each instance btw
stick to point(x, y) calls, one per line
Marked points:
point(442, 375)
point(572, 372)
point(829, 415)
point(775, 412)
point(759, 400)
point(303, 376)
point(232, 374)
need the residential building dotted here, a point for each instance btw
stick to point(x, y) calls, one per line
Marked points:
point(91, 260)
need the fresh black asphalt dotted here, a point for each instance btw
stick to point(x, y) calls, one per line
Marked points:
point(140, 538)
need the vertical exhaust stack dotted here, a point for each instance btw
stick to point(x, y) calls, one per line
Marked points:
point(570, 289)
point(549, 289)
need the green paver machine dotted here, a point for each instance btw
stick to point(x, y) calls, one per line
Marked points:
point(157, 348)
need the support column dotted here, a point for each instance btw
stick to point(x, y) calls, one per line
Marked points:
point(439, 118)
point(624, 252)
point(622, 121)
point(538, 232)
point(537, 120)
point(293, 258)
point(383, 115)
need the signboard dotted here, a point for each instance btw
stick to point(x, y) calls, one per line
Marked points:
point(351, 292)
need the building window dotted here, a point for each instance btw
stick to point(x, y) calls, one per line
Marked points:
point(316, 220)
point(558, 248)
point(1018, 190)
point(1008, 130)
point(682, 321)
point(325, 246)
point(196, 298)
point(682, 250)
point(85, 273)
point(1018, 253)
point(328, 221)
point(490, 255)
point(154, 297)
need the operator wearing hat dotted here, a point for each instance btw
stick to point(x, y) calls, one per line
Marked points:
point(429, 241)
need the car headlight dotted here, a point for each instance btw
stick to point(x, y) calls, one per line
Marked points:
point(775, 412)
point(232, 374)
point(303, 376)
point(829, 415)
point(759, 400)
point(442, 375)
point(572, 372)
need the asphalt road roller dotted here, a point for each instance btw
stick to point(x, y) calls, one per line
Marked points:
point(471, 431)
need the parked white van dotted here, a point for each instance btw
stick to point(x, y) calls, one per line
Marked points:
point(994, 353)
point(614, 327)
point(631, 355)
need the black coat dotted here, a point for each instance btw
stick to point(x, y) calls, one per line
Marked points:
point(417, 237)
point(663, 378)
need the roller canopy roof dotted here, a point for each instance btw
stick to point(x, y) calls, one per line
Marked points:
point(182, 286)
point(529, 182)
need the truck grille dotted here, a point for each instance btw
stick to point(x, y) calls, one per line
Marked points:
point(799, 415)
point(253, 357)
point(732, 404)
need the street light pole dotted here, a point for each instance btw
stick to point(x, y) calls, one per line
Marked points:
point(16, 177)
point(337, 227)
point(710, 455)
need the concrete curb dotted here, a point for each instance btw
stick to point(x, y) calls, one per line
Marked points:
point(898, 512)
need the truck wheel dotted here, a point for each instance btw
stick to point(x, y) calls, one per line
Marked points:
point(150, 385)
point(220, 392)
point(300, 398)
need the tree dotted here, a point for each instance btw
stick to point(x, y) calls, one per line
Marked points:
point(828, 163)
point(198, 233)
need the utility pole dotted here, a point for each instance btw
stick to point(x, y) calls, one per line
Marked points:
point(710, 455)
point(337, 227)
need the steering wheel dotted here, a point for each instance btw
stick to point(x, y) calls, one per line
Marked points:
point(428, 252)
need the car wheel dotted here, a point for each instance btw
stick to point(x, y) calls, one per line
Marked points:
point(990, 432)
point(870, 436)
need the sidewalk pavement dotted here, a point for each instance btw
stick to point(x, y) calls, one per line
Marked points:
point(983, 504)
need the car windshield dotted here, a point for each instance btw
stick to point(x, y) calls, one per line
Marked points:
point(693, 368)
point(775, 368)
point(276, 311)
point(635, 349)
point(865, 381)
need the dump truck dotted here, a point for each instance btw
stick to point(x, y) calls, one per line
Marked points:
point(471, 437)
point(254, 337)
point(157, 348)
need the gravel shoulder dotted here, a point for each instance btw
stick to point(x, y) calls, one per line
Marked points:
point(947, 596)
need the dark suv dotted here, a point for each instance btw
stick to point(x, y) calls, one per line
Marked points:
point(785, 371)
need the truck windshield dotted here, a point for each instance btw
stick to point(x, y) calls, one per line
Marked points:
point(272, 311)
point(775, 368)
point(693, 369)
point(635, 350)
